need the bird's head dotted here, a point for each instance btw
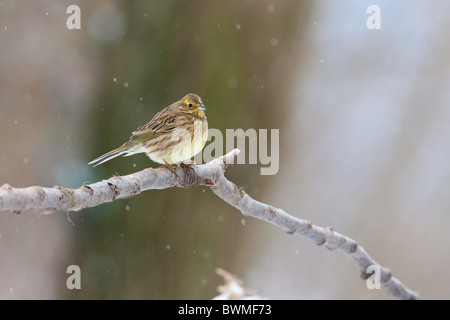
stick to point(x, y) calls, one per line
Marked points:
point(192, 104)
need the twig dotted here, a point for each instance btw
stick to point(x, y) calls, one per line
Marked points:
point(212, 175)
point(232, 288)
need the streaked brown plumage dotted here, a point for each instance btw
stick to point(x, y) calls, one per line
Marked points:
point(175, 134)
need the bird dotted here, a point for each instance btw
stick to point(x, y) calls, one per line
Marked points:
point(174, 135)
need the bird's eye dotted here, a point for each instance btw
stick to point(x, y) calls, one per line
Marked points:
point(190, 105)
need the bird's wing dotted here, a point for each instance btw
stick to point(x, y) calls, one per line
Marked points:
point(162, 122)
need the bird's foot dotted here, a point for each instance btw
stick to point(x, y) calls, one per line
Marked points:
point(187, 164)
point(171, 168)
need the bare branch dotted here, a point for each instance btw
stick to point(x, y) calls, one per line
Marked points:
point(117, 187)
point(212, 175)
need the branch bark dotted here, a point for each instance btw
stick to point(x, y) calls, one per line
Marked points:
point(212, 175)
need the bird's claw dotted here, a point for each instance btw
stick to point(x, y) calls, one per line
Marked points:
point(171, 168)
point(188, 164)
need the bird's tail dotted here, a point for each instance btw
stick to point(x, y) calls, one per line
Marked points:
point(112, 154)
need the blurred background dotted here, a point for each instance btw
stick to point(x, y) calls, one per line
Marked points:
point(364, 144)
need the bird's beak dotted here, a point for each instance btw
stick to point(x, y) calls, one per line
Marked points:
point(201, 108)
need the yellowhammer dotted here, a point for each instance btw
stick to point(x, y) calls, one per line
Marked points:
point(175, 134)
